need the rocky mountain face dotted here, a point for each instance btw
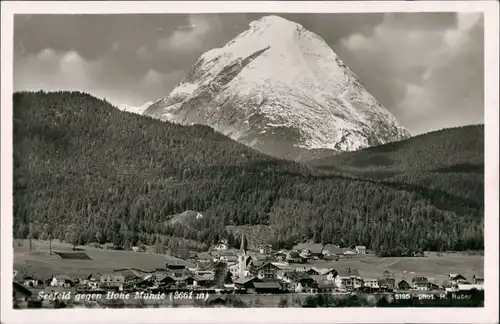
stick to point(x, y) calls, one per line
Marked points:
point(281, 89)
point(135, 110)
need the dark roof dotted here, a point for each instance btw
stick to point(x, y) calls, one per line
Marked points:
point(243, 280)
point(161, 277)
point(403, 282)
point(28, 278)
point(348, 272)
point(129, 273)
point(326, 284)
point(204, 277)
point(17, 287)
point(385, 280)
point(330, 248)
point(231, 258)
point(176, 276)
point(330, 271)
point(258, 256)
point(313, 270)
point(318, 278)
point(260, 264)
point(227, 253)
point(295, 275)
point(204, 255)
point(96, 276)
point(267, 285)
point(420, 280)
point(458, 276)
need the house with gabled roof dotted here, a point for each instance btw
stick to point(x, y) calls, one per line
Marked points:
point(264, 270)
point(350, 252)
point(332, 249)
point(331, 274)
point(404, 285)
point(177, 279)
point(348, 278)
point(318, 278)
point(20, 295)
point(297, 281)
point(456, 279)
point(326, 286)
point(175, 264)
point(360, 249)
point(387, 283)
point(478, 280)
point(30, 281)
point(371, 283)
point(267, 287)
point(60, 280)
point(115, 279)
point(203, 280)
point(245, 283)
point(131, 275)
point(420, 283)
point(312, 271)
point(310, 249)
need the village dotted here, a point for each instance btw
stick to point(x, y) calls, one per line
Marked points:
point(206, 277)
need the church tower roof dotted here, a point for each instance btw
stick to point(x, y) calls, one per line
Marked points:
point(243, 245)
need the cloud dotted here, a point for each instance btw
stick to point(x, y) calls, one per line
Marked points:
point(424, 76)
point(51, 70)
point(192, 36)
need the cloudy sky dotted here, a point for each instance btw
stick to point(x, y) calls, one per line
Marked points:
point(426, 68)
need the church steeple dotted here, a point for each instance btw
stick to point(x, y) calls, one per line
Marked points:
point(242, 257)
point(242, 247)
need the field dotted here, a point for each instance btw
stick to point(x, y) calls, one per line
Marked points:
point(38, 262)
point(436, 268)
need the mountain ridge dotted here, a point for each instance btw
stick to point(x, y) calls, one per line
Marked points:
point(135, 109)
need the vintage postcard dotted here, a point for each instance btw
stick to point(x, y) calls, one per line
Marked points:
point(250, 162)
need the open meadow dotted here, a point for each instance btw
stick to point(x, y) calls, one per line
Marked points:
point(435, 268)
point(40, 263)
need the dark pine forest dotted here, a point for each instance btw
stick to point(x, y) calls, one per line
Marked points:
point(85, 172)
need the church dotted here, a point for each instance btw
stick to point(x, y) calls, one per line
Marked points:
point(240, 269)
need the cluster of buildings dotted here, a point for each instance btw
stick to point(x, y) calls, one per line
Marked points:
point(223, 270)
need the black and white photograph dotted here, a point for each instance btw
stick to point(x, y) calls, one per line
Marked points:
point(169, 155)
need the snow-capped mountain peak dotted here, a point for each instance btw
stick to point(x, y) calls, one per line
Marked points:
point(281, 89)
point(135, 110)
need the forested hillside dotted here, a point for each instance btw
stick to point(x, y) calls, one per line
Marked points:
point(454, 150)
point(85, 171)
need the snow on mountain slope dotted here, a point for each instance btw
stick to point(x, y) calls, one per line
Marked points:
point(135, 110)
point(280, 89)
